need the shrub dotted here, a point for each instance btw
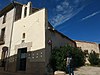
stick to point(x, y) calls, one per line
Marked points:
point(94, 59)
point(78, 56)
point(57, 58)
point(59, 54)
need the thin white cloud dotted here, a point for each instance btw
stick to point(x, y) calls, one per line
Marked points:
point(64, 18)
point(62, 6)
point(59, 8)
point(65, 11)
point(91, 15)
point(65, 4)
point(57, 19)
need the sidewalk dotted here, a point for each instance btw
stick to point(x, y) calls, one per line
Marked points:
point(87, 70)
point(18, 73)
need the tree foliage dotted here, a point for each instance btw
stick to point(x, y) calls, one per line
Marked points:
point(78, 56)
point(59, 54)
point(94, 58)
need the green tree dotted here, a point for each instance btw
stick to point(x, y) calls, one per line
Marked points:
point(57, 58)
point(59, 54)
point(77, 54)
point(94, 58)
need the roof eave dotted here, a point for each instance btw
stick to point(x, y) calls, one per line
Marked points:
point(9, 7)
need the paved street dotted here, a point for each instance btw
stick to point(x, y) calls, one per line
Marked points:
point(87, 70)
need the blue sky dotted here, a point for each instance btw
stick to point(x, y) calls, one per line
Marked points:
point(77, 19)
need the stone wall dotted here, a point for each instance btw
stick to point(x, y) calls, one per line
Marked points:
point(90, 46)
point(35, 63)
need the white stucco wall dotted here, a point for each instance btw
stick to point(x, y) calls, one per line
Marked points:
point(34, 28)
point(8, 26)
point(88, 46)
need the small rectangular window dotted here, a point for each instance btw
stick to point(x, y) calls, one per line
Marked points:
point(4, 18)
point(23, 35)
point(2, 34)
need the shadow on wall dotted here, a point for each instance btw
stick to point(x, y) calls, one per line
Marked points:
point(32, 62)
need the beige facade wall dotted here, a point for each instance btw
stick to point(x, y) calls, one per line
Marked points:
point(8, 27)
point(88, 46)
point(34, 28)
